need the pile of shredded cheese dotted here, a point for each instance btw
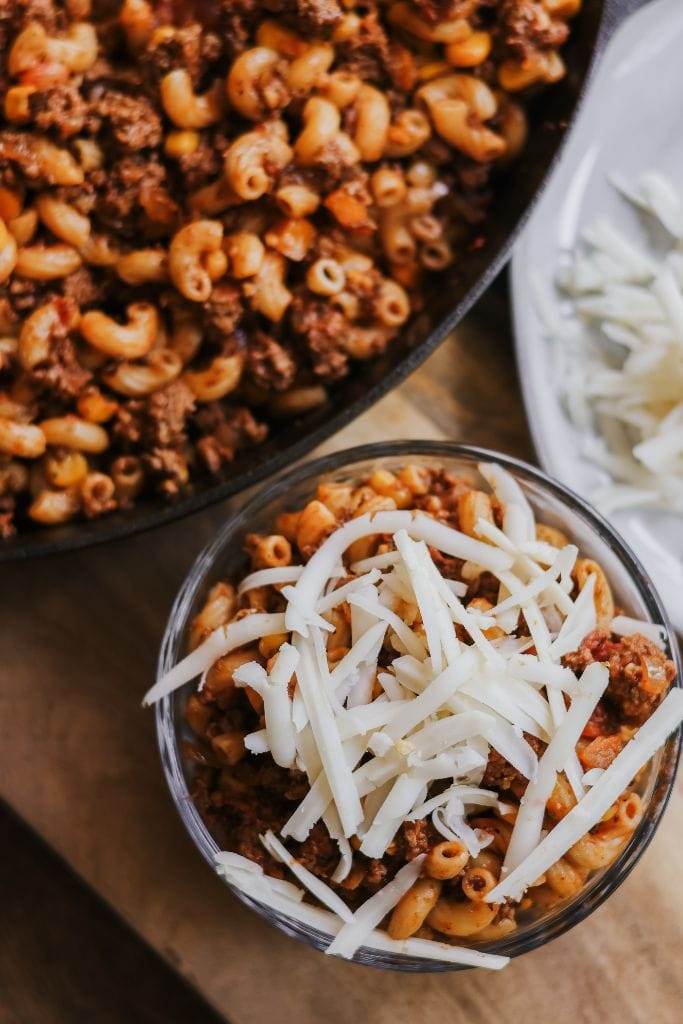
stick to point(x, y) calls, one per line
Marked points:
point(445, 704)
point(618, 349)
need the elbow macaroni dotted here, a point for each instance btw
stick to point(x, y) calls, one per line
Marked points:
point(448, 899)
point(188, 253)
point(233, 213)
point(131, 340)
point(184, 107)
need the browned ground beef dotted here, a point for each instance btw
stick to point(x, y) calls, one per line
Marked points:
point(320, 325)
point(241, 795)
point(104, 140)
point(270, 365)
point(61, 109)
point(526, 27)
point(500, 774)
point(639, 671)
point(223, 431)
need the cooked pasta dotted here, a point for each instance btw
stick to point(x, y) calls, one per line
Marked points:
point(210, 213)
point(366, 695)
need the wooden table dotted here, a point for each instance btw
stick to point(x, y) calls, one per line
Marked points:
point(78, 761)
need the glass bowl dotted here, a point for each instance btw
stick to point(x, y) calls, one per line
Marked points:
point(224, 558)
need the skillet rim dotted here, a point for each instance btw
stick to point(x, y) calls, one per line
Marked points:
point(145, 517)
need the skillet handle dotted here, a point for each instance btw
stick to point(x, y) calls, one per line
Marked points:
point(616, 12)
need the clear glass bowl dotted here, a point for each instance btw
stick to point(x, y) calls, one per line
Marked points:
point(224, 558)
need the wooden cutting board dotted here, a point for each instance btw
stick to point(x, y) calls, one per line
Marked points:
point(78, 761)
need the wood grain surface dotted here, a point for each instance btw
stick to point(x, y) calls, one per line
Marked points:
point(65, 958)
point(79, 762)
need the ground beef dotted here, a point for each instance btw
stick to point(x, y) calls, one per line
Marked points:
point(236, 26)
point(124, 190)
point(224, 432)
point(132, 121)
point(415, 838)
point(7, 527)
point(84, 288)
point(639, 672)
point(168, 410)
point(24, 295)
point(159, 420)
point(322, 329)
point(202, 166)
point(319, 853)
point(367, 53)
point(485, 586)
point(62, 374)
point(449, 488)
point(526, 27)
point(269, 365)
point(501, 776)
point(253, 798)
point(191, 48)
point(223, 311)
point(602, 722)
point(318, 17)
point(61, 109)
point(15, 13)
point(17, 150)
point(167, 468)
point(434, 11)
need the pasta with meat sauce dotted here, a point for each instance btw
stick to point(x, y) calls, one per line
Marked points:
point(210, 211)
point(418, 688)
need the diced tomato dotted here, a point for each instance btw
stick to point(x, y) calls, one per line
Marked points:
point(600, 752)
point(347, 210)
point(598, 724)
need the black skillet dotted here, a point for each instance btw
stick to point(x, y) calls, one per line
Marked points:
point(446, 305)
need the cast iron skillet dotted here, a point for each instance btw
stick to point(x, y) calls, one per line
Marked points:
point(446, 305)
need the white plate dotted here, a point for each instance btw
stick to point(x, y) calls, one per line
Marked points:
point(630, 123)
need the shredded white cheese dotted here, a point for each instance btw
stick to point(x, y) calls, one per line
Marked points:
point(430, 949)
point(315, 885)
point(420, 693)
point(618, 346)
point(270, 577)
point(277, 707)
point(529, 821)
point(622, 625)
point(286, 899)
point(588, 812)
point(354, 933)
point(328, 741)
point(220, 642)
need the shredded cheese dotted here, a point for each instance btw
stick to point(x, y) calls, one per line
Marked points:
point(588, 812)
point(328, 741)
point(277, 707)
point(622, 625)
point(529, 821)
point(418, 694)
point(220, 642)
point(360, 652)
point(618, 346)
point(354, 933)
point(269, 577)
point(315, 885)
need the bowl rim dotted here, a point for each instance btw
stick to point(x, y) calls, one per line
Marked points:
point(535, 935)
